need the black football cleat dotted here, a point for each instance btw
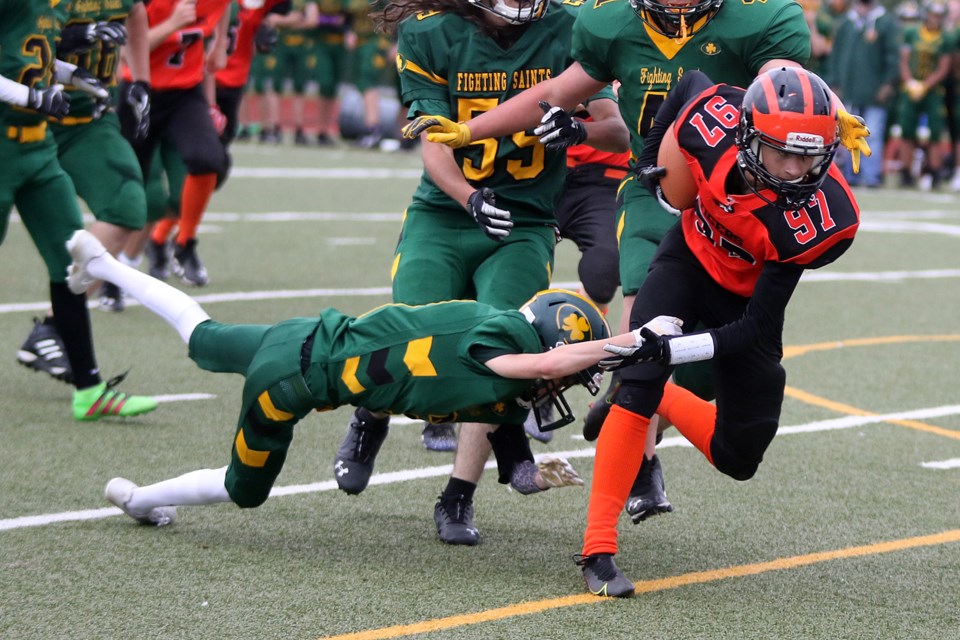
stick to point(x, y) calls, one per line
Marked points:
point(453, 516)
point(603, 577)
point(648, 496)
point(353, 464)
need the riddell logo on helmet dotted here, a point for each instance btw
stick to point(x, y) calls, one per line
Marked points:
point(795, 139)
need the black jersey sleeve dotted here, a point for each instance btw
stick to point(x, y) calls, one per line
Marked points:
point(762, 321)
point(690, 86)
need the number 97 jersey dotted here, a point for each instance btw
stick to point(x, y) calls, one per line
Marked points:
point(734, 234)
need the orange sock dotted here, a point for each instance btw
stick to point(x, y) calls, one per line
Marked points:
point(197, 190)
point(694, 417)
point(619, 455)
point(161, 230)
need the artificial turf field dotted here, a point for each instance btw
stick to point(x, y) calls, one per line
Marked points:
point(851, 528)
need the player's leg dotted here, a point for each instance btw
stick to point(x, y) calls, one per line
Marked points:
point(107, 177)
point(428, 266)
point(258, 453)
point(48, 208)
point(205, 158)
point(92, 262)
point(511, 274)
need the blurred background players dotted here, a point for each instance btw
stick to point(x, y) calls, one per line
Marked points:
point(924, 65)
point(180, 113)
point(863, 69)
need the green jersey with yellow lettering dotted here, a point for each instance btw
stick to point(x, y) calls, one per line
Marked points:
point(612, 43)
point(426, 362)
point(450, 67)
point(28, 29)
point(103, 59)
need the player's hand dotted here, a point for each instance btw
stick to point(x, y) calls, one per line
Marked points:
point(80, 37)
point(651, 343)
point(439, 130)
point(136, 95)
point(853, 136)
point(494, 222)
point(559, 129)
point(219, 120)
point(184, 14)
point(52, 101)
point(266, 38)
point(88, 83)
point(649, 177)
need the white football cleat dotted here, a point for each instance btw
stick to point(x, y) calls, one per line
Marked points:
point(83, 247)
point(558, 472)
point(120, 490)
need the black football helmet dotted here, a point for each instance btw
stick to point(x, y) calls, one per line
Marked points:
point(562, 317)
point(525, 11)
point(676, 20)
point(790, 110)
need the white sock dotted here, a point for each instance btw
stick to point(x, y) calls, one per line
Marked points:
point(204, 486)
point(130, 262)
point(179, 310)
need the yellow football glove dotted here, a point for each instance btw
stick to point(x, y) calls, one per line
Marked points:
point(853, 136)
point(439, 129)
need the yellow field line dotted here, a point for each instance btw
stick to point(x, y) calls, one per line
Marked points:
point(839, 407)
point(809, 398)
point(648, 586)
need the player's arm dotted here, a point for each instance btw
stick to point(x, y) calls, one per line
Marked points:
point(136, 53)
point(52, 101)
point(605, 131)
point(568, 359)
point(217, 53)
point(184, 14)
point(761, 323)
point(520, 113)
point(479, 203)
point(690, 86)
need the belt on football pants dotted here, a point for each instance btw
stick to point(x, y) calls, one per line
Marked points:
point(24, 135)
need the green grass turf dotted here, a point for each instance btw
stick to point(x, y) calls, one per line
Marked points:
point(322, 563)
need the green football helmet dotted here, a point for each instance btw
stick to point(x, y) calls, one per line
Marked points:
point(562, 317)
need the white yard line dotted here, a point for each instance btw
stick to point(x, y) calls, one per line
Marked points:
point(444, 470)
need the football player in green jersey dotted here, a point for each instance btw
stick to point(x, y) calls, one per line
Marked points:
point(460, 59)
point(648, 45)
point(91, 150)
point(444, 361)
point(31, 91)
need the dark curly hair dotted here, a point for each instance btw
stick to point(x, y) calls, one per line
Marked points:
point(387, 16)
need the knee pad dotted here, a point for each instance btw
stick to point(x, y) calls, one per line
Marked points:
point(599, 273)
point(730, 464)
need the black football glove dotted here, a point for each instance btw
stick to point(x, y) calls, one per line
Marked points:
point(136, 96)
point(559, 129)
point(649, 177)
point(652, 347)
point(265, 39)
point(651, 343)
point(80, 37)
point(494, 222)
point(52, 101)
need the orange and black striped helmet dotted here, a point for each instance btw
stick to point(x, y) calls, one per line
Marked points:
point(790, 110)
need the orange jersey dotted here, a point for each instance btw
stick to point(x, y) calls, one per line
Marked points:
point(237, 71)
point(733, 235)
point(178, 62)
